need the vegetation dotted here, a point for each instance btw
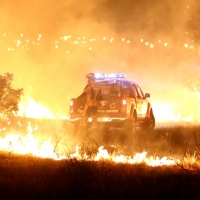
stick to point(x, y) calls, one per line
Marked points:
point(26, 177)
point(29, 177)
point(9, 97)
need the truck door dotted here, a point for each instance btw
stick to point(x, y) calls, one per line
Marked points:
point(141, 102)
point(127, 88)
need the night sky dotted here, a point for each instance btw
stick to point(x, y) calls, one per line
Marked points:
point(50, 45)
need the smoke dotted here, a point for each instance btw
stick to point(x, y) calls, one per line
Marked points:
point(155, 43)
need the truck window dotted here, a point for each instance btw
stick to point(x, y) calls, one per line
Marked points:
point(139, 92)
point(109, 90)
point(126, 91)
point(133, 91)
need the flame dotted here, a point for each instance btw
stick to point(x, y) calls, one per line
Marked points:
point(163, 111)
point(23, 145)
point(45, 149)
point(136, 159)
point(198, 94)
point(184, 109)
point(28, 145)
point(31, 109)
point(166, 112)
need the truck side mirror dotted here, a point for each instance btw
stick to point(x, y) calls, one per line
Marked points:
point(147, 95)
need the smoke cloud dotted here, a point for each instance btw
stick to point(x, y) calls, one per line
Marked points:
point(50, 45)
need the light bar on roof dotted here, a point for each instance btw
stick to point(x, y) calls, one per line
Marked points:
point(99, 76)
point(108, 76)
point(122, 75)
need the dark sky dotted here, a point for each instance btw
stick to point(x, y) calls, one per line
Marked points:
point(123, 17)
point(52, 75)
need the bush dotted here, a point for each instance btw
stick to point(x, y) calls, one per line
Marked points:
point(9, 97)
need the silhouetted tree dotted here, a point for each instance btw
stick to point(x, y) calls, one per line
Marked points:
point(9, 97)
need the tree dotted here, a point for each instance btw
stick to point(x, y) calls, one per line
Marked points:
point(9, 97)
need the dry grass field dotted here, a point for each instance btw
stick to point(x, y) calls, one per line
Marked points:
point(27, 177)
point(30, 177)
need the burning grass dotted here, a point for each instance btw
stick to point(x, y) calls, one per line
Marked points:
point(161, 164)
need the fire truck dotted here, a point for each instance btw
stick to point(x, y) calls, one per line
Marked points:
point(123, 105)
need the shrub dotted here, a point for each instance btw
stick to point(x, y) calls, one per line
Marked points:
point(9, 97)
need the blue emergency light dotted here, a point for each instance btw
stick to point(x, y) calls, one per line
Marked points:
point(109, 76)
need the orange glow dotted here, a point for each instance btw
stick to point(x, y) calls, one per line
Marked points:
point(163, 111)
point(29, 145)
point(160, 55)
point(166, 112)
point(32, 109)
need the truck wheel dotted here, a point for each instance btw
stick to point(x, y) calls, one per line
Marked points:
point(151, 121)
point(130, 128)
point(149, 126)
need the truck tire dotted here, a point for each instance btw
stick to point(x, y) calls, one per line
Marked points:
point(130, 128)
point(149, 126)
